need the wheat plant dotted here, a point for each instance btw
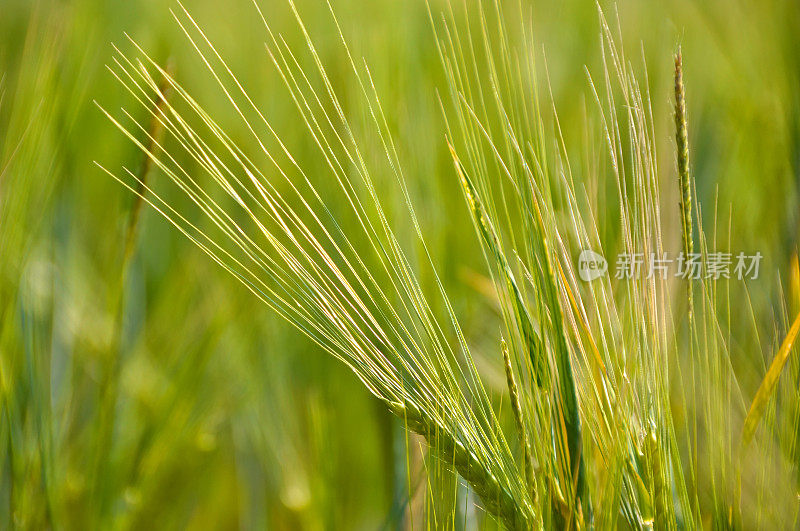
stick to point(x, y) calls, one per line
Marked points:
point(595, 371)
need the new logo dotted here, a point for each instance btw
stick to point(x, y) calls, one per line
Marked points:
point(591, 265)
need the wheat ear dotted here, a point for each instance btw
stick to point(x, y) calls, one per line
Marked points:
point(516, 407)
point(660, 488)
point(684, 179)
point(495, 497)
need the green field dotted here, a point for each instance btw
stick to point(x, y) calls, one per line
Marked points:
point(309, 264)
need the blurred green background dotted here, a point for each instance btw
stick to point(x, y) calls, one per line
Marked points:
point(168, 396)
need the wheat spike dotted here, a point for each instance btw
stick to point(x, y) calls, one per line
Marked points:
point(684, 178)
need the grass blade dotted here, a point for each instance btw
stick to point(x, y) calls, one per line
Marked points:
point(767, 386)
